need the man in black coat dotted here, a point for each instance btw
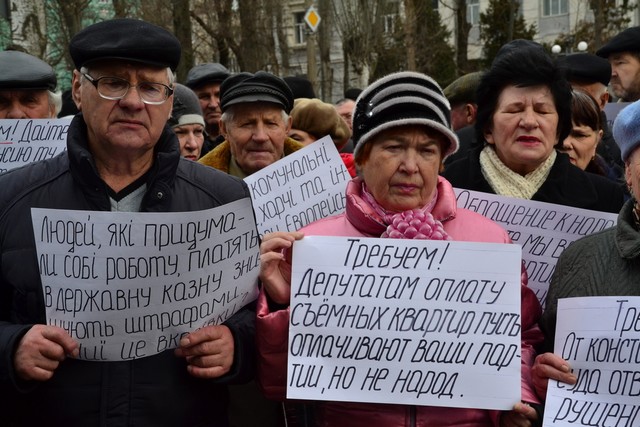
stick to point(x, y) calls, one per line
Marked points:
point(121, 156)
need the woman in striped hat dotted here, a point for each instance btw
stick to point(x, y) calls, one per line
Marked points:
point(402, 135)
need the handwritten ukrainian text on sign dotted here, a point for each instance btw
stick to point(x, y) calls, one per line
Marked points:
point(417, 322)
point(600, 338)
point(543, 230)
point(130, 285)
point(28, 140)
point(301, 188)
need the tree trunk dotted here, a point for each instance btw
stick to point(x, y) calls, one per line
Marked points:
point(182, 30)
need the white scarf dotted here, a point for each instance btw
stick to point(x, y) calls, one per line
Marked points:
point(506, 182)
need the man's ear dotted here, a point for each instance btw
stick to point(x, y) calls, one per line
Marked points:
point(470, 111)
point(76, 86)
point(604, 99)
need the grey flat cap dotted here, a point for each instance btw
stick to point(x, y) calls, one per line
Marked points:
point(19, 70)
point(211, 72)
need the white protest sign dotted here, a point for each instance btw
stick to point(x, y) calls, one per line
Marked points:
point(543, 230)
point(24, 141)
point(600, 338)
point(300, 188)
point(130, 285)
point(417, 322)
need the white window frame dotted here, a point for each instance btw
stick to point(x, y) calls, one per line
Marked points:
point(473, 12)
point(299, 28)
point(555, 7)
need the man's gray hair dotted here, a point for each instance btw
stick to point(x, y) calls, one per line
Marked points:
point(55, 100)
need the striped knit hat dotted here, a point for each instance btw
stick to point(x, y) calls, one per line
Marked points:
point(404, 98)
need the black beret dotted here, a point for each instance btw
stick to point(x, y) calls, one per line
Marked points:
point(626, 41)
point(258, 87)
point(211, 72)
point(587, 68)
point(300, 86)
point(127, 39)
point(19, 70)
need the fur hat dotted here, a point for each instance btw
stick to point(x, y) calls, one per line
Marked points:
point(319, 119)
point(626, 129)
point(404, 98)
point(186, 107)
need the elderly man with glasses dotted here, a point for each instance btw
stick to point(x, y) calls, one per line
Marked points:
point(121, 156)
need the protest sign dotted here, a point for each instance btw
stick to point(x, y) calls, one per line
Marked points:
point(543, 230)
point(28, 140)
point(612, 109)
point(302, 187)
point(419, 322)
point(130, 285)
point(600, 338)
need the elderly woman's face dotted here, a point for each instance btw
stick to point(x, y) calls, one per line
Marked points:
point(524, 127)
point(402, 170)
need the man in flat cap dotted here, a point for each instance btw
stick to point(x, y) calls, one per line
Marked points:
point(591, 74)
point(461, 94)
point(121, 156)
point(255, 123)
point(27, 87)
point(623, 53)
point(205, 81)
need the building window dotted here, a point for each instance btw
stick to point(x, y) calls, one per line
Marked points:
point(554, 7)
point(389, 24)
point(299, 27)
point(389, 19)
point(473, 12)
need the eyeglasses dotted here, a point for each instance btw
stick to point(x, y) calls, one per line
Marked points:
point(114, 88)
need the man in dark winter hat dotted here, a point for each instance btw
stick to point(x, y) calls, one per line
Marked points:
point(623, 53)
point(255, 123)
point(591, 73)
point(121, 156)
point(27, 87)
point(205, 80)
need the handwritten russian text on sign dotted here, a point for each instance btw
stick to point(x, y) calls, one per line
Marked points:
point(543, 230)
point(600, 338)
point(302, 187)
point(28, 140)
point(417, 322)
point(130, 285)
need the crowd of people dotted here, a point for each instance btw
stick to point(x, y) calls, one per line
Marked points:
point(531, 126)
